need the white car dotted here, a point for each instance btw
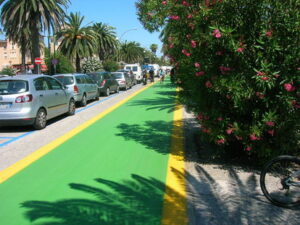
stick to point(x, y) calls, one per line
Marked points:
point(136, 69)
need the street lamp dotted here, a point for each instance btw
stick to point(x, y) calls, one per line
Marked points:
point(120, 38)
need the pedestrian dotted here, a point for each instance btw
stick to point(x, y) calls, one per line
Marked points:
point(162, 76)
point(151, 72)
point(172, 75)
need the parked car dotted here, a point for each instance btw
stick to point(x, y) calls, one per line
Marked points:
point(106, 82)
point(137, 71)
point(131, 76)
point(83, 87)
point(32, 100)
point(125, 82)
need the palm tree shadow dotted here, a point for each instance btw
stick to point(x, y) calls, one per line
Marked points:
point(131, 202)
point(231, 198)
point(154, 135)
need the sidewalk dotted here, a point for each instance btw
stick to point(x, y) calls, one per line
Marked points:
point(220, 194)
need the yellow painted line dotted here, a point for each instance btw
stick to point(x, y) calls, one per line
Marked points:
point(175, 203)
point(23, 163)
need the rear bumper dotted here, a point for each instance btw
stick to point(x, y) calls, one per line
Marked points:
point(17, 122)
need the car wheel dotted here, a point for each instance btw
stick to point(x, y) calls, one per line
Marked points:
point(107, 92)
point(83, 100)
point(71, 111)
point(118, 89)
point(97, 95)
point(40, 120)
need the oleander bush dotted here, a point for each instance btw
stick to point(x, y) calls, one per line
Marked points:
point(237, 62)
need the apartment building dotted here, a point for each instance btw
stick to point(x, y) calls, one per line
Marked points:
point(10, 55)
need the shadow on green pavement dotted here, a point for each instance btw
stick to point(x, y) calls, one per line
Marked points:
point(131, 202)
point(159, 103)
point(154, 135)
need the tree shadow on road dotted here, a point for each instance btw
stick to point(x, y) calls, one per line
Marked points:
point(158, 103)
point(136, 201)
point(154, 135)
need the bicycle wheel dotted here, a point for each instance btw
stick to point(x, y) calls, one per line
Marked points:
point(277, 184)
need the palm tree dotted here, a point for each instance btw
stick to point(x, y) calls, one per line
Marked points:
point(76, 41)
point(153, 48)
point(35, 15)
point(131, 52)
point(107, 43)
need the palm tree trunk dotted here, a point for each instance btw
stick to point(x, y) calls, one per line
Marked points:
point(23, 53)
point(78, 68)
point(35, 44)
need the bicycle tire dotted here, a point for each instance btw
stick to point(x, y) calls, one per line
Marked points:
point(273, 181)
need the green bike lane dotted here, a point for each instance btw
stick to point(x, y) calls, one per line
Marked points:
point(112, 172)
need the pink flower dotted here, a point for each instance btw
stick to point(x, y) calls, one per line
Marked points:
point(217, 33)
point(221, 141)
point(197, 65)
point(260, 95)
point(270, 123)
point(174, 17)
point(240, 50)
point(200, 73)
point(208, 84)
point(265, 78)
point(224, 69)
point(239, 138)
point(260, 73)
point(248, 148)
point(185, 52)
point(205, 130)
point(269, 33)
point(289, 87)
point(229, 131)
point(206, 117)
point(171, 46)
point(193, 43)
point(219, 118)
point(200, 116)
point(192, 26)
point(295, 104)
point(271, 132)
point(164, 2)
point(185, 3)
point(253, 137)
point(190, 16)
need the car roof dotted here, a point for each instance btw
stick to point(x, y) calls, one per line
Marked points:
point(23, 77)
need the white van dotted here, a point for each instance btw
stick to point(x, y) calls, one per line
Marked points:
point(136, 69)
point(156, 68)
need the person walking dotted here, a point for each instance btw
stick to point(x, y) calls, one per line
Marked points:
point(151, 72)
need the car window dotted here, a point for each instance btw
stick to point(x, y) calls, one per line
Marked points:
point(128, 68)
point(40, 84)
point(53, 84)
point(13, 87)
point(117, 75)
point(135, 68)
point(106, 76)
point(80, 80)
point(88, 80)
point(66, 80)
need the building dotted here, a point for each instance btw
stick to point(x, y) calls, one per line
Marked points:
point(10, 55)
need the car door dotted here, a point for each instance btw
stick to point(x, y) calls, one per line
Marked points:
point(60, 99)
point(44, 96)
point(93, 86)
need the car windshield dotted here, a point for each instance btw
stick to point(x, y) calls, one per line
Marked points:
point(66, 80)
point(96, 77)
point(8, 87)
point(117, 75)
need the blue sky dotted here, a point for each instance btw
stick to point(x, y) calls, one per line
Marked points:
point(120, 14)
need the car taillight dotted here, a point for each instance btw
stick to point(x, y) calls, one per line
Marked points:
point(122, 82)
point(23, 99)
point(76, 89)
point(103, 83)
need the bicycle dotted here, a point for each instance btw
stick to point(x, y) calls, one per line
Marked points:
point(280, 181)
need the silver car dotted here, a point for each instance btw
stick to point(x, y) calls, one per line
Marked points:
point(32, 100)
point(83, 87)
point(124, 80)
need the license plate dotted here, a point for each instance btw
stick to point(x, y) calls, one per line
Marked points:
point(5, 105)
